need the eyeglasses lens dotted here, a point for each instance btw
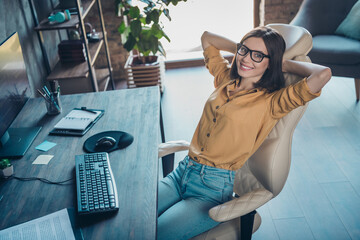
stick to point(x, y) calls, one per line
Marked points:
point(255, 55)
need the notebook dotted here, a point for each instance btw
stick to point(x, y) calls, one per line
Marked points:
point(77, 122)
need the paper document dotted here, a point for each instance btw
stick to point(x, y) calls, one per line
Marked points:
point(83, 114)
point(55, 226)
point(77, 120)
point(42, 159)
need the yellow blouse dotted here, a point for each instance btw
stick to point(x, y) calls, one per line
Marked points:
point(233, 126)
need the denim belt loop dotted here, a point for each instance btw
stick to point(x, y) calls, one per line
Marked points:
point(202, 170)
point(231, 176)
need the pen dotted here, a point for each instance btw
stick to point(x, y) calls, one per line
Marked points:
point(43, 95)
point(47, 92)
point(88, 110)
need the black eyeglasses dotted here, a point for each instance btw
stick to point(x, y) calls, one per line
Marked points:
point(256, 56)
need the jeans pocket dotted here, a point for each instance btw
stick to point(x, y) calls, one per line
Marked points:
point(213, 182)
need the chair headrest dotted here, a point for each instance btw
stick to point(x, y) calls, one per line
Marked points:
point(298, 40)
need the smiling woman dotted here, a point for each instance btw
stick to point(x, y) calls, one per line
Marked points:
point(248, 100)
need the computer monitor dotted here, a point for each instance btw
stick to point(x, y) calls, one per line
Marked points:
point(14, 93)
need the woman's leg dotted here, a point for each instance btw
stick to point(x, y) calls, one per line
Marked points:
point(200, 188)
point(167, 195)
point(169, 189)
point(185, 219)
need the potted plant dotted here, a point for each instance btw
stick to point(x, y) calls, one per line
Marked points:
point(6, 168)
point(141, 32)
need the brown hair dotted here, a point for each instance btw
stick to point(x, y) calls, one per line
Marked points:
point(273, 78)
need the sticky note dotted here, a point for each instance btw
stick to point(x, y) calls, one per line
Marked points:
point(43, 159)
point(45, 146)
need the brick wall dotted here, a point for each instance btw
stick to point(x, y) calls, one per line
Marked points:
point(118, 54)
point(279, 11)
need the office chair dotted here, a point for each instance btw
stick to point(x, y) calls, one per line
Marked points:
point(264, 175)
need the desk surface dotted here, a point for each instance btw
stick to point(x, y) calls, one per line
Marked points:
point(135, 168)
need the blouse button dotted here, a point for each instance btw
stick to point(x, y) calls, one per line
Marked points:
point(208, 135)
point(228, 100)
point(202, 149)
point(217, 107)
point(214, 120)
point(195, 158)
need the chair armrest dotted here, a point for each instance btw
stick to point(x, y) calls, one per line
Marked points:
point(172, 146)
point(241, 205)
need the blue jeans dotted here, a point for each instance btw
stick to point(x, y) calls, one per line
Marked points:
point(186, 195)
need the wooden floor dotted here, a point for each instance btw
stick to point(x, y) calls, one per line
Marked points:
point(321, 199)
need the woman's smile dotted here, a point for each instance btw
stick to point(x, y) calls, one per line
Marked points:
point(245, 67)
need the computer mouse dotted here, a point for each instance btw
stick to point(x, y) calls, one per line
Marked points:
point(105, 143)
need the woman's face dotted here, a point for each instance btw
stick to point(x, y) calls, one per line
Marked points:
point(248, 68)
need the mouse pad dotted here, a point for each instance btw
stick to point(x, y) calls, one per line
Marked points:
point(123, 140)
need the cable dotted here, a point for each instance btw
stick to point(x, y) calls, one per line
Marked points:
point(44, 180)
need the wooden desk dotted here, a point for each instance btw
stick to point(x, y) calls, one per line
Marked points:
point(135, 168)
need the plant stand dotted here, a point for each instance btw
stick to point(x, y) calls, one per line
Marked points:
point(144, 75)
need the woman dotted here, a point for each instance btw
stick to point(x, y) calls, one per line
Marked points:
point(248, 100)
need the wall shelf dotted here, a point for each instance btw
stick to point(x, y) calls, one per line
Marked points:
point(97, 78)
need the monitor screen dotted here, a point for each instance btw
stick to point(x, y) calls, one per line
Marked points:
point(14, 93)
point(14, 84)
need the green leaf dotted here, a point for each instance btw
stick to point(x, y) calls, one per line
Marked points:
point(157, 31)
point(4, 163)
point(154, 15)
point(174, 2)
point(167, 13)
point(134, 12)
point(122, 27)
point(166, 36)
point(148, 19)
point(135, 27)
point(142, 47)
point(143, 20)
point(130, 43)
point(161, 49)
point(154, 44)
point(125, 35)
point(167, 2)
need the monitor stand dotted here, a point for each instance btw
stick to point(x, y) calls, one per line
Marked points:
point(17, 141)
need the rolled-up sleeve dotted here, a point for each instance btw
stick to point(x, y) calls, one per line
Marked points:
point(217, 65)
point(291, 97)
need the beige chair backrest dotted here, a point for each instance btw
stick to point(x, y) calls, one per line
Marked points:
point(269, 166)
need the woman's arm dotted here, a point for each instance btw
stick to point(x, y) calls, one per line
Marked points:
point(317, 75)
point(219, 42)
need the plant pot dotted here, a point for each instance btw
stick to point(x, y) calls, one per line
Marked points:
point(139, 74)
point(7, 172)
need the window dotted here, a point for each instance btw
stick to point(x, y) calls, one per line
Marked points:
point(230, 18)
